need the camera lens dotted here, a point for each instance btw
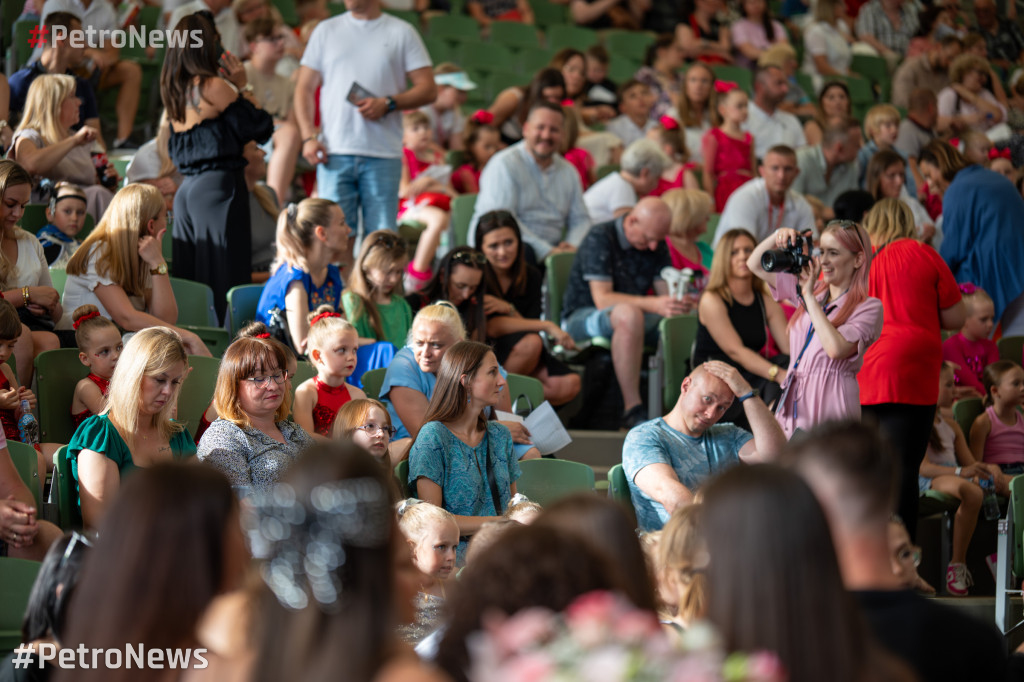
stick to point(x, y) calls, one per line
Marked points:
point(777, 260)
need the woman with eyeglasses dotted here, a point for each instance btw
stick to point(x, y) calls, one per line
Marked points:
point(137, 429)
point(459, 279)
point(899, 382)
point(251, 441)
point(120, 267)
point(834, 324)
point(513, 310)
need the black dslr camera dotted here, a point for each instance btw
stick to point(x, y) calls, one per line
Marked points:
point(791, 259)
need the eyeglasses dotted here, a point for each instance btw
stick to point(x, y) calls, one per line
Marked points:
point(76, 539)
point(909, 554)
point(371, 428)
point(467, 257)
point(264, 381)
point(848, 225)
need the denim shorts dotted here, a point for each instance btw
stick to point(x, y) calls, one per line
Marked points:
point(586, 323)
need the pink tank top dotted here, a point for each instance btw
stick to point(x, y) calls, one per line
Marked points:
point(1005, 444)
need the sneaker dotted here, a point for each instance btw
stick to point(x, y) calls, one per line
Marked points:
point(634, 416)
point(958, 579)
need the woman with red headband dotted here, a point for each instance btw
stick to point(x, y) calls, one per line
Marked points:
point(251, 441)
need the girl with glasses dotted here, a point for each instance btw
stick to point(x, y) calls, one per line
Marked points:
point(252, 442)
point(834, 325)
point(366, 423)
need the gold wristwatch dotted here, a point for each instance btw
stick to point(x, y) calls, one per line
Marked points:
point(159, 270)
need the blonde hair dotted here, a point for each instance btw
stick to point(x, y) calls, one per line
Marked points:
point(324, 330)
point(443, 313)
point(777, 55)
point(416, 517)
point(148, 353)
point(87, 327)
point(42, 106)
point(689, 207)
point(296, 230)
point(415, 118)
point(380, 250)
point(888, 220)
point(817, 205)
point(11, 175)
point(680, 551)
point(123, 225)
point(244, 357)
point(520, 509)
point(971, 299)
point(721, 266)
point(163, 137)
point(877, 115)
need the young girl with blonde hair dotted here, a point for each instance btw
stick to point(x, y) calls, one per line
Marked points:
point(332, 344)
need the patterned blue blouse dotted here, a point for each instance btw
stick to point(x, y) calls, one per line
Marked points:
point(460, 470)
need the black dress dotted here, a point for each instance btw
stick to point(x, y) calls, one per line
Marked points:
point(212, 223)
point(528, 304)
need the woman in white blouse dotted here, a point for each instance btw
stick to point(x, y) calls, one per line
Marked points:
point(828, 41)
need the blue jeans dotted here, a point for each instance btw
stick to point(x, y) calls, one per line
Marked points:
point(586, 323)
point(365, 182)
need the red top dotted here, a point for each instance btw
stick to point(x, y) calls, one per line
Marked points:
point(8, 417)
point(204, 424)
point(329, 400)
point(972, 357)
point(583, 162)
point(664, 185)
point(466, 179)
point(104, 386)
point(913, 283)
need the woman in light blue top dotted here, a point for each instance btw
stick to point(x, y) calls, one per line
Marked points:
point(460, 460)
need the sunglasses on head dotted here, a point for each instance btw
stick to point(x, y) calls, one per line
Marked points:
point(848, 225)
point(388, 241)
point(471, 258)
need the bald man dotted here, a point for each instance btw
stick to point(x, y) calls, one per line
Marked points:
point(617, 264)
point(667, 459)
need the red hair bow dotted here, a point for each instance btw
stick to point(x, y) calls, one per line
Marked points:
point(264, 335)
point(322, 316)
point(954, 142)
point(668, 123)
point(722, 87)
point(83, 318)
point(999, 153)
point(482, 117)
point(967, 288)
point(567, 102)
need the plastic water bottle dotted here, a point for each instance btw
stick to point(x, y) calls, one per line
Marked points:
point(28, 427)
point(991, 503)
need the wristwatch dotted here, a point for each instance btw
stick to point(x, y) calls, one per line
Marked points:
point(391, 104)
point(249, 88)
point(159, 270)
point(753, 393)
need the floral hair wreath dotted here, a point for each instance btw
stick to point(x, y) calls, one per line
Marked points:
point(304, 541)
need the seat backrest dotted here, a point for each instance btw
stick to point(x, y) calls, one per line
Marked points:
point(556, 279)
point(1017, 504)
point(402, 476)
point(965, 412)
point(570, 35)
point(242, 302)
point(1010, 348)
point(59, 277)
point(26, 463)
point(618, 486)
point(547, 480)
point(34, 218)
point(58, 373)
point(217, 339)
point(462, 213)
point(372, 381)
point(16, 579)
point(197, 390)
point(520, 386)
point(195, 303)
point(676, 335)
point(69, 514)
point(515, 35)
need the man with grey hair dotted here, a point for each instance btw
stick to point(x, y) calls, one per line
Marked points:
point(642, 164)
point(618, 262)
point(829, 168)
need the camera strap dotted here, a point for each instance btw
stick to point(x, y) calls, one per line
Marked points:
point(810, 335)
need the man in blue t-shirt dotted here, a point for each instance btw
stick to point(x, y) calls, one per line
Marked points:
point(667, 459)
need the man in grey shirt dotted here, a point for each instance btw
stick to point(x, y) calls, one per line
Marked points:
point(829, 168)
point(540, 188)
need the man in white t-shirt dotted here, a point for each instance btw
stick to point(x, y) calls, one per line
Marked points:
point(766, 204)
point(361, 61)
point(770, 125)
point(223, 18)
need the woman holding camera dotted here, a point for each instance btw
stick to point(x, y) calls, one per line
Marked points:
point(834, 323)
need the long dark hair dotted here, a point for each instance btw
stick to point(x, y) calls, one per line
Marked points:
point(945, 157)
point(472, 309)
point(604, 524)
point(534, 92)
point(46, 613)
point(495, 220)
point(451, 397)
point(183, 64)
point(561, 567)
point(358, 636)
point(660, 43)
point(879, 163)
point(158, 563)
point(804, 613)
point(766, 21)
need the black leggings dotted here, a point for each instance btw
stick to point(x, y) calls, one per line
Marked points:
point(213, 232)
point(907, 428)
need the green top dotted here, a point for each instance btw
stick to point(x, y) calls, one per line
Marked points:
point(395, 318)
point(97, 434)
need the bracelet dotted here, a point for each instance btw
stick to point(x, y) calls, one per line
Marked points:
point(773, 372)
point(24, 294)
point(958, 470)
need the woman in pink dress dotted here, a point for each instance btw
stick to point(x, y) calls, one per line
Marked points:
point(831, 330)
point(728, 150)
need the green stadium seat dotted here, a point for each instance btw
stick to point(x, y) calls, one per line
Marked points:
point(545, 481)
point(607, 170)
point(548, 14)
point(407, 15)
point(515, 36)
point(242, 303)
point(57, 374)
point(462, 213)
point(439, 50)
point(59, 277)
point(68, 511)
point(287, 10)
point(708, 236)
point(1010, 559)
point(675, 343)
point(195, 303)
point(453, 28)
point(569, 35)
point(739, 75)
point(16, 579)
point(216, 339)
point(26, 463)
point(630, 44)
point(197, 390)
point(520, 386)
point(965, 411)
point(1011, 348)
point(618, 490)
point(402, 478)
point(372, 381)
point(622, 68)
point(486, 57)
point(532, 61)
